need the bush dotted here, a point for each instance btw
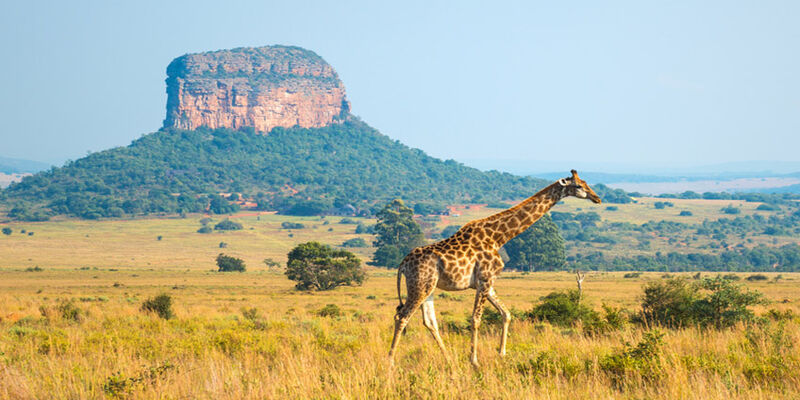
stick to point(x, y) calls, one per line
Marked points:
point(685, 213)
point(161, 305)
point(369, 229)
point(757, 277)
point(315, 266)
point(69, 311)
point(630, 361)
point(7, 231)
point(766, 207)
point(292, 225)
point(228, 225)
point(348, 221)
point(717, 303)
point(612, 208)
point(355, 242)
point(205, 229)
point(730, 209)
point(668, 303)
point(229, 264)
point(270, 263)
point(330, 310)
point(731, 277)
point(632, 275)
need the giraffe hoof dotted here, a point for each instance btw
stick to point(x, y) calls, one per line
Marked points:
point(474, 362)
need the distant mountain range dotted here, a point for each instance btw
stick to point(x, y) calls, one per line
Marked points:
point(20, 166)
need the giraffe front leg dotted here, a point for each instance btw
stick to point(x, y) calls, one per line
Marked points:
point(480, 297)
point(501, 308)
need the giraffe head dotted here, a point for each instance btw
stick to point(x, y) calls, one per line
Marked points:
point(574, 186)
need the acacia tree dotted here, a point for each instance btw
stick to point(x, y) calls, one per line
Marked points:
point(316, 266)
point(397, 234)
point(540, 247)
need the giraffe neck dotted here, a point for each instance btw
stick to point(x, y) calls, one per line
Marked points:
point(507, 224)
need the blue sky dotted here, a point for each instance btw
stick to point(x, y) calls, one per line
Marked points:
point(618, 86)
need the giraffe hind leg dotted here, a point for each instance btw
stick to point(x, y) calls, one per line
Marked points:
point(480, 298)
point(401, 319)
point(429, 320)
point(501, 308)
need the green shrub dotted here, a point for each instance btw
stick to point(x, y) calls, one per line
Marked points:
point(630, 362)
point(205, 229)
point(270, 263)
point(161, 305)
point(228, 225)
point(7, 231)
point(34, 269)
point(561, 308)
point(717, 303)
point(771, 357)
point(355, 242)
point(330, 310)
point(292, 225)
point(668, 303)
point(69, 311)
point(566, 309)
point(757, 277)
point(685, 213)
point(229, 264)
point(612, 208)
point(348, 221)
point(730, 209)
point(632, 275)
point(731, 277)
point(250, 314)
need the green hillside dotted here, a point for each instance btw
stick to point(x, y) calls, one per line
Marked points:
point(295, 171)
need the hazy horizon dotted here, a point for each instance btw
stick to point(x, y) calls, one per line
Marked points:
point(624, 85)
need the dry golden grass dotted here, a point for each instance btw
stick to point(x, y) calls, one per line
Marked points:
point(210, 350)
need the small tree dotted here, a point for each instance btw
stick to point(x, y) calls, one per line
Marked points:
point(725, 304)
point(161, 305)
point(398, 234)
point(315, 266)
point(228, 263)
point(7, 231)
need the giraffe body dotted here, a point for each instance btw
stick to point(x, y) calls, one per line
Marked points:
point(470, 259)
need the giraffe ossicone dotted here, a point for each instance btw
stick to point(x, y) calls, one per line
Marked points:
point(470, 259)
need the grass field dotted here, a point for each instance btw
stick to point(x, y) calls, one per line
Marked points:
point(251, 335)
point(286, 350)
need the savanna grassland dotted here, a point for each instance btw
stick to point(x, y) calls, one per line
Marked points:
point(72, 323)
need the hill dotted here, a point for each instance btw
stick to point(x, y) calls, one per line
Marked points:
point(17, 166)
point(294, 170)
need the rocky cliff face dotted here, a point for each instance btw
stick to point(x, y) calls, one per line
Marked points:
point(261, 87)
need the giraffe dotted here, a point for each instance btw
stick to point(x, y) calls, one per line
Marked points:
point(470, 259)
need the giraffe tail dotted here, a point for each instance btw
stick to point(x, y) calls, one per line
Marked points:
point(399, 278)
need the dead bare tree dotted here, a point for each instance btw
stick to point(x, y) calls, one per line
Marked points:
point(579, 278)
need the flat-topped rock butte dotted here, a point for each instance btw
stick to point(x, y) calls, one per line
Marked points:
point(261, 87)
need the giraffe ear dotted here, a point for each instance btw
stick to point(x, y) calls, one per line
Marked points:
point(562, 182)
